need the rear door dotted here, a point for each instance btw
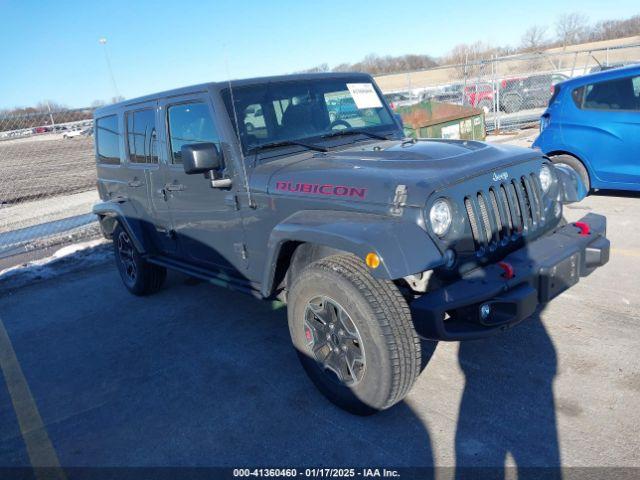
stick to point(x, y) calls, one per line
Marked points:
point(206, 220)
point(147, 175)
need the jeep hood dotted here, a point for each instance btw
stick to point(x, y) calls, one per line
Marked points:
point(371, 172)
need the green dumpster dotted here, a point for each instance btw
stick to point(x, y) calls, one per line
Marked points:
point(442, 120)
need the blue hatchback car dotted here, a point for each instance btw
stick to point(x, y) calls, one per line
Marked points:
point(592, 124)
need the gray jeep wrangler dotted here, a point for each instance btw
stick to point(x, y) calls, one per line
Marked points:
point(373, 240)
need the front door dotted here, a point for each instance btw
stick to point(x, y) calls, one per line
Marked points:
point(206, 221)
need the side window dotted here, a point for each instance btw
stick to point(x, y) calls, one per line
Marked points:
point(108, 140)
point(189, 123)
point(618, 94)
point(577, 94)
point(141, 136)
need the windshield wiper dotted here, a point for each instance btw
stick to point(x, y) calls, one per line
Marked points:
point(286, 143)
point(355, 131)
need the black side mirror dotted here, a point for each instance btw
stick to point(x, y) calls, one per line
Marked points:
point(200, 158)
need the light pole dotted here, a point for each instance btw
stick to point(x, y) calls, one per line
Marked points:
point(103, 41)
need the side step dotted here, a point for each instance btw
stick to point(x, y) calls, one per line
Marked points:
point(219, 278)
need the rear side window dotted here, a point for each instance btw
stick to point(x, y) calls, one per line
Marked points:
point(141, 136)
point(618, 94)
point(556, 92)
point(190, 123)
point(577, 95)
point(108, 140)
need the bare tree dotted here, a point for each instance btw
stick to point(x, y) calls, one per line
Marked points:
point(571, 28)
point(472, 59)
point(376, 64)
point(323, 67)
point(534, 39)
point(610, 29)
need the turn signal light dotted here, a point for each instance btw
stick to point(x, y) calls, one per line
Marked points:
point(372, 260)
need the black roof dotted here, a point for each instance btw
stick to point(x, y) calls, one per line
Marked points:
point(202, 87)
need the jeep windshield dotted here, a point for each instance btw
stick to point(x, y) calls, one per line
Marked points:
point(310, 111)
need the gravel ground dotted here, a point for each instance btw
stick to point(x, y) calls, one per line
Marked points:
point(36, 212)
point(519, 138)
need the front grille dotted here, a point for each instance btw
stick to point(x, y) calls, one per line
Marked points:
point(504, 211)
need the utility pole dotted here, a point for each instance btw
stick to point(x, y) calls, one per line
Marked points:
point(50, 114)
point(103, 41)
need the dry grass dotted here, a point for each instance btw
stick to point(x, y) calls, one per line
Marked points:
point(559, 59)
point(38, 168)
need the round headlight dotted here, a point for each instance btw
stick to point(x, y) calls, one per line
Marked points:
point(440, 217)
point(546, 178)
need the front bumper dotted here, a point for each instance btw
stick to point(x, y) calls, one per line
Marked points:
point(543, 269)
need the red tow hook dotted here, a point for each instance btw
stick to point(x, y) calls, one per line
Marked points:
point(585, 229)
point(509, 272)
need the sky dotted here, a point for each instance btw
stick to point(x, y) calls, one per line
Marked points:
point(51, 50)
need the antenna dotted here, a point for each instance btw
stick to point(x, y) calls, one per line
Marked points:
point(245, 177)
point(594, 57)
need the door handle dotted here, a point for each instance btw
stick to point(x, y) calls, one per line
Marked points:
point(174, 187)
point(135, 183)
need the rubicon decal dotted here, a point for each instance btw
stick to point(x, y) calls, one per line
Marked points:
point(322, 189)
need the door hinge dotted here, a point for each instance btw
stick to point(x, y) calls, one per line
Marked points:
point(240, 249)
point(231, 200)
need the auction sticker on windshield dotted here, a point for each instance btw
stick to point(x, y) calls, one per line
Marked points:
point(364, 95)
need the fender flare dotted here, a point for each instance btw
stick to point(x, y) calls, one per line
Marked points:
point(403, 247)
point(110, 213)
point(557, 148)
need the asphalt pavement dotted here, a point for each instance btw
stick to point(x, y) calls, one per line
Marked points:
point(197, 375)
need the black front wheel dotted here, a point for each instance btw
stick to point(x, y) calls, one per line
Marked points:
point(139, 276)
point(353, 334)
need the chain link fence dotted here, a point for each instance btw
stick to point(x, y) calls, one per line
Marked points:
point(47, 182)
point(513, 91)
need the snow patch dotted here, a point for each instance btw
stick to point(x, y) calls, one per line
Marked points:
point(65, 260)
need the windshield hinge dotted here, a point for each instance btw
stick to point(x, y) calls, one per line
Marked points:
point(399, 200)
point(231, 200)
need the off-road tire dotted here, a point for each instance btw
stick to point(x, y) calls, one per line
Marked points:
point(148, 278)
point(381, 315)
point(577, 165)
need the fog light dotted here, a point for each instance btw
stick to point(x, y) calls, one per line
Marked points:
point(449, 258)
point(485, 311)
